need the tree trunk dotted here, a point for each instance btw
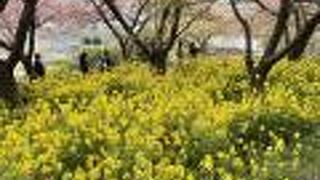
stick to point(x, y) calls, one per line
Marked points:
point(27, 60)
point(126, 48)
point(180, 50)
point(24, 24)
point(257, 81)
point(8, 86)
point(27, 63)
point(159, 62)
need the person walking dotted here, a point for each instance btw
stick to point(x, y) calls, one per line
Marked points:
point(83, 63)
point(105, 61)
point(38, 66)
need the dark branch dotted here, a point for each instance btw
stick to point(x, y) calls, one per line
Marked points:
point(279, 28)
point(5, 45)
point(248, 36)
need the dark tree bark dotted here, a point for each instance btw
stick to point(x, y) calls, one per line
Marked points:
point(158, 60)
point(24, 24)
point(248, 38)
point(27, 59)
point(305, 36)
point(8, 88)
point(3, 5)
point(279, 28)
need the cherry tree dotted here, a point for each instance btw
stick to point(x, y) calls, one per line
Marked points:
point(19, 21)
point(259, 68)
point(152, 26)
point(58, 12)
point(8, 87)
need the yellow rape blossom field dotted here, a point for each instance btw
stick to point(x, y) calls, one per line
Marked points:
point(199, 121)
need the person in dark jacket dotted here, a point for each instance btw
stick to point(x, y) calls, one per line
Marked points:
point(38, 66)
point(83, 63)
point(105, 61)
point(194, 50)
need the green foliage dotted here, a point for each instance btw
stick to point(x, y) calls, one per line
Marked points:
point(197, 122)
point(92, 41)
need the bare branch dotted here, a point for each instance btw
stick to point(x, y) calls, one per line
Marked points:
point(279, 28)
point(106, 21)
point(124, 24)
point(5, 45)
point(248, 36)
point(139, 13)
point(265, 7)
point(196, 17)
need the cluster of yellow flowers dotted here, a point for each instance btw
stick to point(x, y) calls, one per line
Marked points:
point(197, 122)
